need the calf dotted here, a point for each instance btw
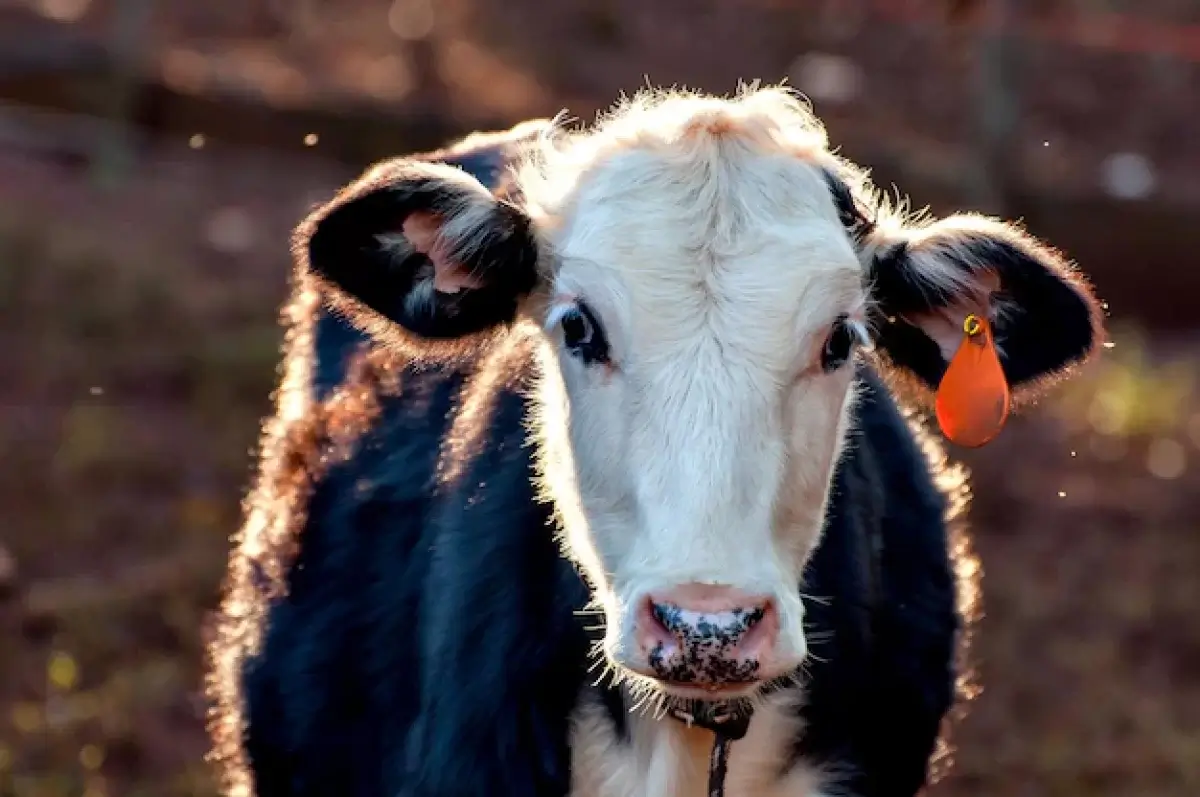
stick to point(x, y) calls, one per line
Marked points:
point(603, 471)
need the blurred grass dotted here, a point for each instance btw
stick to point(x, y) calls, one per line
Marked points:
point(134, 377)
point(135, 387)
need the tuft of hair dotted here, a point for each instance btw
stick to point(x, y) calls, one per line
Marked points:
point(490, 153)
point(490, 141)
point(690, 125)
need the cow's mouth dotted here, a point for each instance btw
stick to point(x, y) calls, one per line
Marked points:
point(710, 693)
point(659, 694)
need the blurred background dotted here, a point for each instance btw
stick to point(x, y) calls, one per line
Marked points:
point(154, 155)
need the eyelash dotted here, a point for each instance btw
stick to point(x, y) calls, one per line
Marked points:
point(843, 338)
point(582, 334)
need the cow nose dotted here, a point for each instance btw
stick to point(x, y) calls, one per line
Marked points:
point(707, 636)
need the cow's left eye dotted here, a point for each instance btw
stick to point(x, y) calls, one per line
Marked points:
point(583, 336)
point(839, 346)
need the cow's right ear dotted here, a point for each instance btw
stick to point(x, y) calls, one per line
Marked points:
point(423, 245)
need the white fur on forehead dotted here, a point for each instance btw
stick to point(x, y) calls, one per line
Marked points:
point(668, 120)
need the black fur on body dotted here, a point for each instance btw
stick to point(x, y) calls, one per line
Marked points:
point(398, 619)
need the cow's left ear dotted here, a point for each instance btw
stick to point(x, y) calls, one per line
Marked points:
point(925, 281)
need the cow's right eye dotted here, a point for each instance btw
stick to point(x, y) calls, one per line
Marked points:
point(582, 335)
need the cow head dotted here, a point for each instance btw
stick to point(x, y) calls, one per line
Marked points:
point(706, 274)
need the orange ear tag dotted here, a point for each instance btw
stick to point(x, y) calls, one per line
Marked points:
point(973, 398)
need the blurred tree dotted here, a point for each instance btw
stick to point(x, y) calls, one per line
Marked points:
point(996, 99)
point(113, 155)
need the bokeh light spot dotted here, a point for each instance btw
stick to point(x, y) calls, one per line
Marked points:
point(63, 671)
point(1166, 459)
point(230, 231)
point(27, 717)
point(64, 10)
point(411, 20)
point(822, 76)
point(1128, 175)
point(91, 757)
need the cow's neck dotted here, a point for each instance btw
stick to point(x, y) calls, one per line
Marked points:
point(659, 756)
point(724, 720)
point(727, 723)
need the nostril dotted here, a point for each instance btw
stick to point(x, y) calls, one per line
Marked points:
point(657, 626)
point(761, 629)
point(668, 617)
point(751, 617)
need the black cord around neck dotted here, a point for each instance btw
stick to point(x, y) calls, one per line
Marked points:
point(718, 765)
point(727, 725)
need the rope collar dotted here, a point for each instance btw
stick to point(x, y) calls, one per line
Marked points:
point(727, 723)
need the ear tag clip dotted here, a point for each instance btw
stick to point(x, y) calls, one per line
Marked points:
point(973, 397)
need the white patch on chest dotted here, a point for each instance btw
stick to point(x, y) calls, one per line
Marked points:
point(665, 758)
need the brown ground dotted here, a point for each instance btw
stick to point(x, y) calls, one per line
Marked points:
point(136, 365)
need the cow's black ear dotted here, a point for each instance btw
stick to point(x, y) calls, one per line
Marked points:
point(925, 281)
point(423, 247)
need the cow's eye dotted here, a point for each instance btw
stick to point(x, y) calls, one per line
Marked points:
point(844, 335)
point(582, 335)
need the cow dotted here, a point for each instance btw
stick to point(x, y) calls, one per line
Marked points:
point(600, 468)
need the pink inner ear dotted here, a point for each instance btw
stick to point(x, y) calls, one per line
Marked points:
point(945, 326)
point(422, 229)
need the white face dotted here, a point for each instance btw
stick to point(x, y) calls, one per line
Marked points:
point(703, 310)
